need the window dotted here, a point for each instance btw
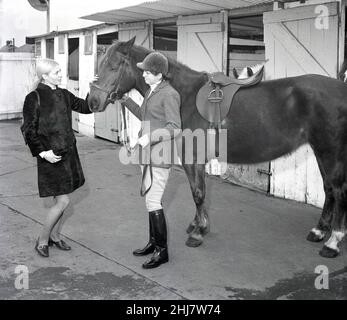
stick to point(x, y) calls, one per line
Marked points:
point(88, 43)
point(38, 53)
point(61, 44)
point(50, 48)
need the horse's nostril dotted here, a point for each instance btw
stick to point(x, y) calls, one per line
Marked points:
point(94, 103)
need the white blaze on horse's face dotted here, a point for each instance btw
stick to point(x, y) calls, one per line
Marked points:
point(115, 79)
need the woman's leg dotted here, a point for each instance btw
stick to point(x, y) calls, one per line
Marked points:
point(54, 218)
point(55, 233)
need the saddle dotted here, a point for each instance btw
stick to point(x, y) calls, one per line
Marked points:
point(215, 97)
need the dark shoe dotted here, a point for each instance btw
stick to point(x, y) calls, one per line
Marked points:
point(149, 248)
point(159, 257)
point(61, 244)
point(42, 249)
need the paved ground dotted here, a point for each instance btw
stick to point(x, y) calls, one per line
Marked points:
point(256, 248)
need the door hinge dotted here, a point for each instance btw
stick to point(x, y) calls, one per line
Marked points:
point(262, 171)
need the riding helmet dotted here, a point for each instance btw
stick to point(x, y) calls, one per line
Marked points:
point(156, 63)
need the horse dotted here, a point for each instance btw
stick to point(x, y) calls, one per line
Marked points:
point(342, 75)
point(265, 121)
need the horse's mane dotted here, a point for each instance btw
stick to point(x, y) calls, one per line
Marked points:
point(174, 64)
point(179, 74)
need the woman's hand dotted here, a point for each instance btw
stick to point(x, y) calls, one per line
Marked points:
point(50, 156)
point(96, 78)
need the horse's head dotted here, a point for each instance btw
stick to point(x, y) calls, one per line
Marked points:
point(116, 76)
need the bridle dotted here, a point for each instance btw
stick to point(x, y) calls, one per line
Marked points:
point(112, 97)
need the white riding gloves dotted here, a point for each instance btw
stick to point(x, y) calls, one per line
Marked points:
point(143, 141)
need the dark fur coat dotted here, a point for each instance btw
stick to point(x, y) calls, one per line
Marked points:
point(48, 126)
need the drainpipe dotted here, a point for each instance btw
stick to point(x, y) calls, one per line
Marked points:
point(48, 16)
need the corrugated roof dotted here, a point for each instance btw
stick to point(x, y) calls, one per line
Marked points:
point(53, 34)
point(168, 8)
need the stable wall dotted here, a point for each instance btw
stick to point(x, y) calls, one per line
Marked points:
point(17, 76)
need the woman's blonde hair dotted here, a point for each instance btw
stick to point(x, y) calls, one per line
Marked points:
point(44, 66)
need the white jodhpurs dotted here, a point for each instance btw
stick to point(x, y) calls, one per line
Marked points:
point(154, 195)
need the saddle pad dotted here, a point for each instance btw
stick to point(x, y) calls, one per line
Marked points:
point(223, 80)
point(210, 111)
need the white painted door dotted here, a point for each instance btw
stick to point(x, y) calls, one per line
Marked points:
point(298, 41)
point(201, 42)
point(87, 60)
point(73, 87)
point(144, 37)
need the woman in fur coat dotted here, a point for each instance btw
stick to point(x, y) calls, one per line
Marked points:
point(47, 129)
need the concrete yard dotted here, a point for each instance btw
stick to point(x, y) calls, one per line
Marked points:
point(256, 249)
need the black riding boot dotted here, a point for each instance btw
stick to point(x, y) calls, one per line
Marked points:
point(149, 248)
point(160, 254)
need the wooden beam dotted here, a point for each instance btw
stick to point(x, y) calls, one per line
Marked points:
point(299, 13)
point(245, 42)
point(255, 10)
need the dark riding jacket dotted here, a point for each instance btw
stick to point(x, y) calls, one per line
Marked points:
point(160, 110)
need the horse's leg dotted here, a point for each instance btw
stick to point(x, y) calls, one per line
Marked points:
point(330, 248)
point(338, 224)
point(201, 224)
point(318, 233)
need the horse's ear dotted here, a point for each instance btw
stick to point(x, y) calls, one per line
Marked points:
point(249, 71)
point(126, 46)
point(236, 76)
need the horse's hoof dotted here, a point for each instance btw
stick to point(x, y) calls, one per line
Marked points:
point(190, 228)
point(193, 242)
point(314, 237)
point(327, 252)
